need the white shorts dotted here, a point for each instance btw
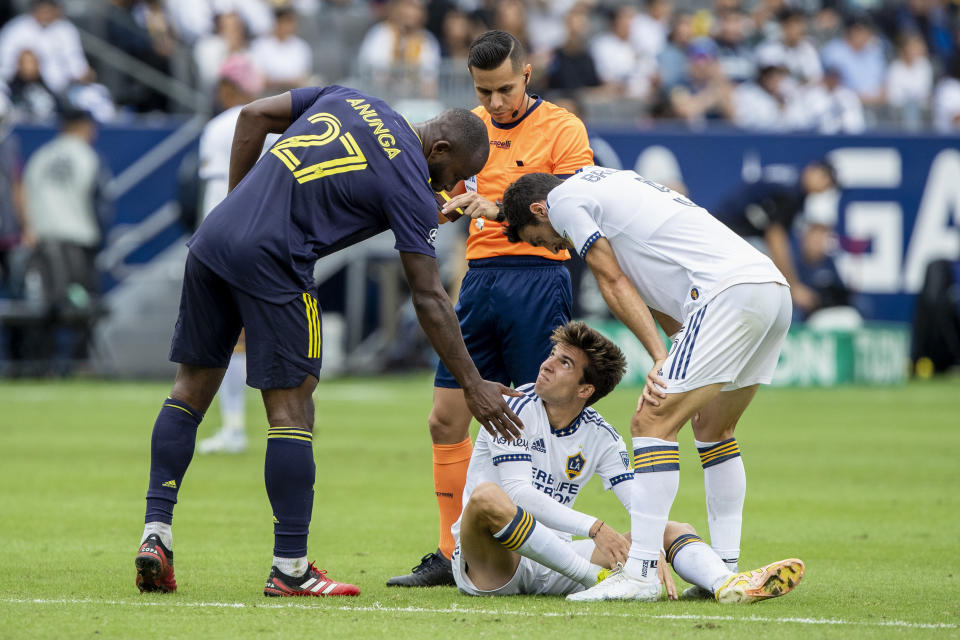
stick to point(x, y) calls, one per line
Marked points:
point(531, 577)
point(735, 338)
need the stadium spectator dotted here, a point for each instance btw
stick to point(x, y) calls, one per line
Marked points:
point(32, 99)
point(284, 59)
point(134, 37)
point(571, 67)
point(91, 96)
point(64, 215)
point(946, 99)
point(706, 94)
point(251, 265)
point(626, 70)
point(792, 48)
point(53, 39)
point(859, 58)
point(400, 55)
point(929, 18)
point(456, 34)
point(734, 53)
point(11, 194)
point(190, 20)
point(765, 214)
point(768, 103)
point(651, 26)
point(228, 39)
point(909, 83)
point(546, 22)
point(829, 107)
point(673, 62)
point(814, 246)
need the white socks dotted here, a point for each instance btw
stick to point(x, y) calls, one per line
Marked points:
point(696, 562)
point(233, 394)
point(294, 567)
point(162, 529)
point(725, 483)
point(656, 468)
point(525, 537)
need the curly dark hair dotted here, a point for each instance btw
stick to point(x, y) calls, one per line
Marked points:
point(606, 363)
point(519, 196)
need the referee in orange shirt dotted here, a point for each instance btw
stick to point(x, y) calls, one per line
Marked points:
point(513, 295)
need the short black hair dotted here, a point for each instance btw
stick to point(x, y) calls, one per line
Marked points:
point(491, 48)
point(606, 363)
point(520, 195)
point(466, 133)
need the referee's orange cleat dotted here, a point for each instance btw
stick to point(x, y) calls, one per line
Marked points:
point(313, 583)
point(155, 566)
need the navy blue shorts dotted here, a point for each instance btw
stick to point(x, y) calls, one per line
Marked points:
point(508, 308)
point(283, 341)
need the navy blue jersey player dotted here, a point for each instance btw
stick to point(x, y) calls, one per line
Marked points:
point(346, 167)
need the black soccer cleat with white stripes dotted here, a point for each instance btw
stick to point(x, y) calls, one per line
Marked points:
point(313, 583)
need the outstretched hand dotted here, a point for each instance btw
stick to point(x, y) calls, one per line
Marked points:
point(666, 577)
point(487, 405)
point(472, 204)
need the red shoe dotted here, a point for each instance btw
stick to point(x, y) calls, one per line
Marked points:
point(155, 566)
point(313, 583)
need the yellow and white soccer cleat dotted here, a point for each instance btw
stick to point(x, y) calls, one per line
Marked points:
point(770, 581)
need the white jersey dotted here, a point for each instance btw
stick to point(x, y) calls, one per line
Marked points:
point(677, 254)
point(544, 470)
point(216, 142)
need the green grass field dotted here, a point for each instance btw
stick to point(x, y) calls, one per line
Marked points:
point(862, 484)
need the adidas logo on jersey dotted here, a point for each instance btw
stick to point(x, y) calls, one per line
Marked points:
point(539, 446)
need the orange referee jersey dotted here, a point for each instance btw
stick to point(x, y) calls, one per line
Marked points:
point(547, 139)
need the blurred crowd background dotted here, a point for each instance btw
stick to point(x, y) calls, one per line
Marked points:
point(150, 74)
point(824, 65)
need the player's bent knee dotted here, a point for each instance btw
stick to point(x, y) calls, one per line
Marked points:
point(490, 502)
point(674, 530)
point(449, 425)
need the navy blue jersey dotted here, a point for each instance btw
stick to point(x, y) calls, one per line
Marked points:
point(347, 168)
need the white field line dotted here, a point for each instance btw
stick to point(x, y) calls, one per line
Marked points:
point(377, 607)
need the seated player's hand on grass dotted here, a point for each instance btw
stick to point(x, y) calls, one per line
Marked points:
point(614, 546)
point(666, 577)
point(487, 405)
point(472, 204)
point(655, 387)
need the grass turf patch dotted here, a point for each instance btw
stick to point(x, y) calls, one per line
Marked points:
point(862, 484)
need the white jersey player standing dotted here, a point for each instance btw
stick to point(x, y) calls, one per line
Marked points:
point(727, 309)
point(239, 83)
point(514, 534)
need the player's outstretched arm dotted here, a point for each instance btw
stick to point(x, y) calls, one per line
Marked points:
point(439, 322)
point(257, 119)
point(626, 304)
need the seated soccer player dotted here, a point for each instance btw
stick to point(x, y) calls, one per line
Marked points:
point(514, 536)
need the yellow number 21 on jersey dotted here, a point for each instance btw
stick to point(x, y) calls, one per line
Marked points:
point(353, 160)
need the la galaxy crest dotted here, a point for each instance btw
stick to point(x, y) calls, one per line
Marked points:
point(575, 465)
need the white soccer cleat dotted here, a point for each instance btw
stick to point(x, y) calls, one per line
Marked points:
point(619, 586)
point(770, 581)
point(696, 592)
point(224, 441)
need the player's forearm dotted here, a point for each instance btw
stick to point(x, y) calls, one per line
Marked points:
point(439, 322)
point(547, 510)
point(627, 305)
point(248, 139)
point(256, 120)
